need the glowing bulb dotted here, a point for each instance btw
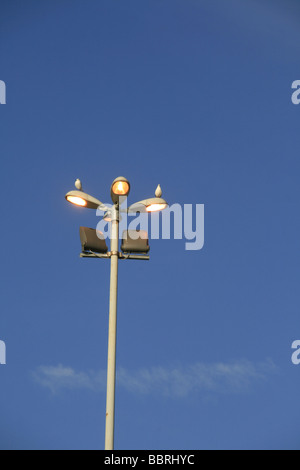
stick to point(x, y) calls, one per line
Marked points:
point(120, 188)
point(156, 207)
point(78, 201)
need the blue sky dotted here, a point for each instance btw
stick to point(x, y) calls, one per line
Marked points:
point(194, 95)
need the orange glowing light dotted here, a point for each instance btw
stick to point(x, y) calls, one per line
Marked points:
point(156, 207)
point(120, 188)
point(78, 201)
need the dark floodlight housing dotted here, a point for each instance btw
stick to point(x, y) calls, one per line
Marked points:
point(92, 240)
point(135, 241)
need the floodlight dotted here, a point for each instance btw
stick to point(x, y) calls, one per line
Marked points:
point(92, 240)
point(135, 241)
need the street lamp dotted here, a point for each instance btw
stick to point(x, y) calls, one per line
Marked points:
point(133, 248)
point(119, 187)
point(79, 198)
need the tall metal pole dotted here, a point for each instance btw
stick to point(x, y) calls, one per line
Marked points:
point(112, 333)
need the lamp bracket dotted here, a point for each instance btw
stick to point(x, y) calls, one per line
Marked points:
point(91, 254)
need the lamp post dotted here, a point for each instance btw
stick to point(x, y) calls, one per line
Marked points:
point(112, 333)
point(119, 188)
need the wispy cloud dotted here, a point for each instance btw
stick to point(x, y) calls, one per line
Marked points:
point(178, 381)
point(59, 377)
point(197, 378)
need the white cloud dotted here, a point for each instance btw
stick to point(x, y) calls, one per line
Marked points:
point(179, 381)
point(196, 378)
point(60, 377)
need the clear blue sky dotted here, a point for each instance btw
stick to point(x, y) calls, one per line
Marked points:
point(194, 95)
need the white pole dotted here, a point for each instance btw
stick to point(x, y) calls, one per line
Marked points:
point(112, 333)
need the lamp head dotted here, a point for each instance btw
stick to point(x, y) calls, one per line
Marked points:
point(81, 199)
point(119, 187)
point(154, 204)
point(76, 200)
